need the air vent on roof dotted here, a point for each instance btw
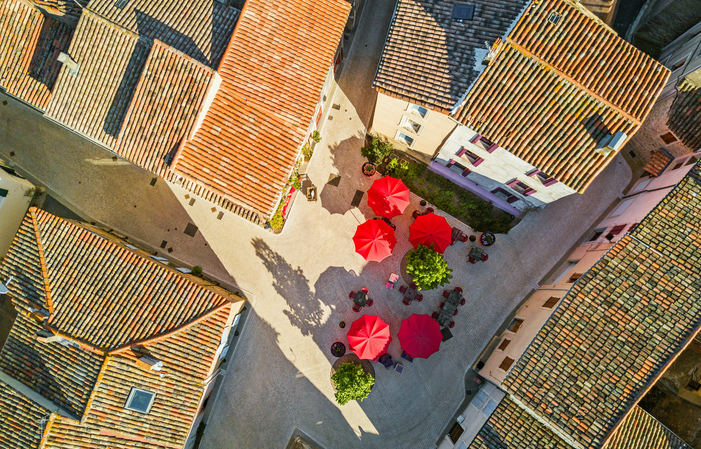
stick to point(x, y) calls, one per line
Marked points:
point(149, 363)
point(462, 13)
point(121, 4)
point(554, 18)
point(72, 66)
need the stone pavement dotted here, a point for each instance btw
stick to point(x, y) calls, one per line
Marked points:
point(278, 379)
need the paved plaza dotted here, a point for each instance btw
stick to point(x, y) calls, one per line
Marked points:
point(278, 379)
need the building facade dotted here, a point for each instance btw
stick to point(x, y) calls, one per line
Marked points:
point(16, 194)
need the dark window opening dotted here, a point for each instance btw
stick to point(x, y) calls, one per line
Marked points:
point(692, 160)
point(504, 344)
point(617, 229)
point(504, 195)
point(506, 364)
point(470, 157)
point(554, 18)
point(678, 165)
point(455, 432)
point(668, 138)
point(515, 325)
point(550, 303)
point(462, 13)
point(597, 234)
point(574, 277)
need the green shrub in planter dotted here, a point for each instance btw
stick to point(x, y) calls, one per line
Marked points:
point(428, 268)
point(197, 270)
point(377, 150)
point(316, 137)
point(352, 383)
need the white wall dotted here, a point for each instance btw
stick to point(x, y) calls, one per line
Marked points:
point(498, 168)
point(13, 207)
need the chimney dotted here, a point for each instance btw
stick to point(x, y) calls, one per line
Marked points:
point(149, 363)
point(44, 336)
point(72, 66)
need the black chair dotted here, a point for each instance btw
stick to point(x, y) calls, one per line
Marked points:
point(407, 357)
point(386, 361)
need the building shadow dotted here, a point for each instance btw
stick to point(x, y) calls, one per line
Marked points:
point(54, 38)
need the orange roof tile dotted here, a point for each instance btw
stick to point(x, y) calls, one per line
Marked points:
point(272, 75)
point(659, 162)
point(29, 45)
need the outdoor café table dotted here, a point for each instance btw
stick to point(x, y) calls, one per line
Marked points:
point(361, 298)
point(456, 235)
point(476, 253)
point(410, 294)
point(449, 308)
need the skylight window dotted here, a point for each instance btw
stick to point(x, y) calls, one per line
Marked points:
point(140, 400)
point(462, 13)
point(554, 18)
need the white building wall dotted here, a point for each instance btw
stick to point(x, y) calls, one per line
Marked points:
point(497, 169)
point(15, 196)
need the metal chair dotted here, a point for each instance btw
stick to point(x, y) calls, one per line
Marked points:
point(462, 302)
point(456, 312)
point(441, 305)
point(386, 361)
point(458, 289)
point(365, 290)
point(419, 298)
point(356, 308)
point(402, 289)
point(484, 257)
point(413, 285)
point(429, 210)
point(471, 260)
point(464, 238)
point(406, 302)
point(369, 303)
point(415, 214)
point(351, 295)
point(452, 324)
point(435, 315)
point(406, 356)
point(446, 293)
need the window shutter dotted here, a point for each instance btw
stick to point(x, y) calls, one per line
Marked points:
point(512, 182)
point(476, 139)
point(550, 182)
point(493, 147)
point(466, 172)
point(478, 161)
point(462, 151)
point(512, 199)
point(529, 191)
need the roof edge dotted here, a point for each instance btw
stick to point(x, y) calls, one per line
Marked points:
point(42, 261)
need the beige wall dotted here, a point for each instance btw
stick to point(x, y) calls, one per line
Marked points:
point(391, 116)
point(13, 207)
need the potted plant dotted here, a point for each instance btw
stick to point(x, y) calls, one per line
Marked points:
point(428, 268)
point(352, 383)
point(377, 149)
point(488, 238)
point(369, 169)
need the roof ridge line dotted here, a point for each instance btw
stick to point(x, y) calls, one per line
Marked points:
point(42, 261)
point(93, 390)
point(687, 445)
point(576, 83)
point(565, 437)
point(166, 335)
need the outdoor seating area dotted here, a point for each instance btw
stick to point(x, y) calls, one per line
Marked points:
point(449, 308)
point(360, 299)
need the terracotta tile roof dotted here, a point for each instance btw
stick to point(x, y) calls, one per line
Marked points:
point(512, 427)
point(272, 75)
point(70, 10)
point(431, 59)
point(43, 366)
point(553, 92)
point(685, 113)
point(198, 28)
point(164, 108)
point(94, 102)
point(113, 307)
point(620, 325)
point(659, 161)
point(20, 417)
point(639, 430)
point(29, 45)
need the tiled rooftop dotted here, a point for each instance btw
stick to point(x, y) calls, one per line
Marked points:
point(431, 59)
point(198, 28)
point(685, 113)
point(164, 108)
point(641, 431)
point(512, 427)
point(659, 161)
point(620, 325)
point(95, 101)
point(272, 77)
point(29, 45)
point(553, 92)
point(112, 306)
point(20, 418)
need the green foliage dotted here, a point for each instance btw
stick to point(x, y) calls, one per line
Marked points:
point(428, 268)
point(197, 270)
point(352, 383)
point(458, 202)
point(377, 149)
point(307, 152)
point(316, 137)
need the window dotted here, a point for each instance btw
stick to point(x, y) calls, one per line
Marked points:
point(554, 18)
point(455, 432)
point(504, 344)
point(140, 400)
point(506, 364)
point(405, 139)
point(678, 65)
point(692, 160)
point(462, 13)
point(521, 187)
point(617, 229)
point(678, 165)
point(458, 168)
point(470, 157)
point(668, 138)
point(546, 179)
point(597, 234)
point(411, 125)
point(550, 303)
point(418, 110)
point(515, 325)
point(486, 144)
point(504, 195)
point(574, 277)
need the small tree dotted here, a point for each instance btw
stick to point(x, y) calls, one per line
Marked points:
point(428, 268)
point(352, 383)
point(377, 150)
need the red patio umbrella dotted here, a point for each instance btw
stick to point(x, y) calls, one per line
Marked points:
point(388, 197)
point(374, 240)
point(420, 336)
point(369, 337)
point(431, 229)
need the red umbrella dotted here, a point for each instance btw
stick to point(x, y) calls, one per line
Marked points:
point(369, 337)
point(374, 240)
point(431, 229)
point(420, 336)
point(388, 197)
